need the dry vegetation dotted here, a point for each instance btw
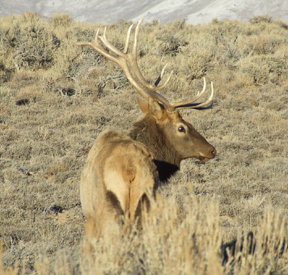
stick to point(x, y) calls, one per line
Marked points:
point(55, 98)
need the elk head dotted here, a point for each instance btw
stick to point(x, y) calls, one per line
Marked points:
point(174, 133)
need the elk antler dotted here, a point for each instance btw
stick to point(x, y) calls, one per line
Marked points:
point(128, 63)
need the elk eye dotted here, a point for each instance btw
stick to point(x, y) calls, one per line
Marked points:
point(181, 129)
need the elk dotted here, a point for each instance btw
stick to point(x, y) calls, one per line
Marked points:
point(123, 171)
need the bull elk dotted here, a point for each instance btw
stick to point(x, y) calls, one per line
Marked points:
point(124, 170)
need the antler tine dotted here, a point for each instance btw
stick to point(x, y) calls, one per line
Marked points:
point(185, 102)
point(160, 78)
point(133, 63)
point(127, 39)
point(165, 83)
point(96, 46)
point(110, 46)
point(134, 49)
point(163, 71)
point(198, 106)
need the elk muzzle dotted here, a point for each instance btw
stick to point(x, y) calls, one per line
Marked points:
point(208, 154)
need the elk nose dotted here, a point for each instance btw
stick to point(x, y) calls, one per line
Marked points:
point(213, 152)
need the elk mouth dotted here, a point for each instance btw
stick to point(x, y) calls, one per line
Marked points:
point(201, 158)
point(206, 158)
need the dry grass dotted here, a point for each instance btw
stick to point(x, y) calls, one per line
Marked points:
point(55, 98)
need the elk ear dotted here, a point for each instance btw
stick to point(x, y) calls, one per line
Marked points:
point(143, 106)
point(155, 108)
point(152, 107)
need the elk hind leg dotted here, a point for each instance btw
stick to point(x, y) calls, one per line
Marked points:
point(140, 197)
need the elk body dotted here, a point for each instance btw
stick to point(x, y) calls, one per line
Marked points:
point(123, 170)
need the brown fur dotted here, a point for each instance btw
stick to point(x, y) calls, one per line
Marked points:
point(122, 170)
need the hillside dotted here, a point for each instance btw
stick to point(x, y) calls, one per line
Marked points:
point(107, 12)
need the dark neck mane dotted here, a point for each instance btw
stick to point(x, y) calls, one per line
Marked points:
point(165, 158)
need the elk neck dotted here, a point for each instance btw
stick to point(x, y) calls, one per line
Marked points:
point(164, 155)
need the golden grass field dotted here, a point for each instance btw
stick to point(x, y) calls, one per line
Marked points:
point(55, 99)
